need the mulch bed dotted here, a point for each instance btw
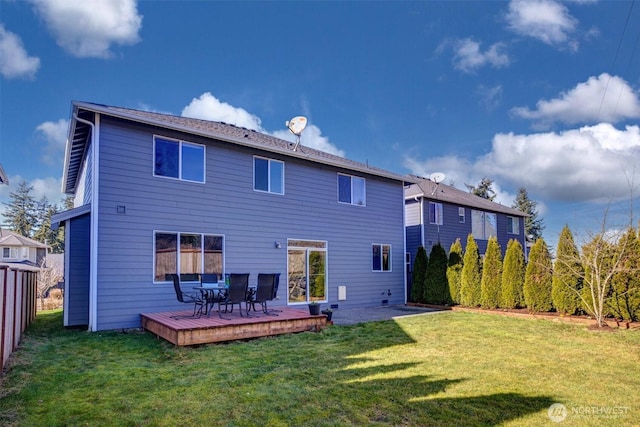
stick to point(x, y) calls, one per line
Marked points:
point(611, 324)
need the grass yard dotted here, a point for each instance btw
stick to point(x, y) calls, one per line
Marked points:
point(452, 368)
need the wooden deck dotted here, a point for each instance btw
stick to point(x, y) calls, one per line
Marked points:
point(205, 330)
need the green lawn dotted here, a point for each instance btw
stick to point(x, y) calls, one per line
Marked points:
point(452, 368)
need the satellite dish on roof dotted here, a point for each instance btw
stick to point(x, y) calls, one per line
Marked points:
point(296, 126)
point(437, 177)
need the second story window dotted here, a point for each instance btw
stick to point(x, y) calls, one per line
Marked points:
point(178, 159)
point(513, 225)
point(461, 215)
point(435, 213)
point(351, 189)
point(483, 224)
point(268, 175)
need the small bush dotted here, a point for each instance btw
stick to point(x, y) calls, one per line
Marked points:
point(418, 275)
point(436, 285)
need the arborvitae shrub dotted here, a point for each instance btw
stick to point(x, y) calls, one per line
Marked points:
point(454, 271)
point(436, 286)
point(625, 286)
point(491, 282)
point(418, 275)
point(538, 278)
point(471, 275)
point(513, 276)
point(566, 284)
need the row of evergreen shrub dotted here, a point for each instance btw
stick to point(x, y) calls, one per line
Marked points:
point(463, 277)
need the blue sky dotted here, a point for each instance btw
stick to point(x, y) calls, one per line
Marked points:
point(538, 94)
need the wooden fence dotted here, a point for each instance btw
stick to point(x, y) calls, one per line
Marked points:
point(17, 307)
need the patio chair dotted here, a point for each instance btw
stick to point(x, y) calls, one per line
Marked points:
point(212, 295)
point(264, 292)
point(236, 294)
point(194, 298)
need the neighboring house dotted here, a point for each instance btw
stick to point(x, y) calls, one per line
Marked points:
point(157, 194)
point(442, 213)
point(17, 249)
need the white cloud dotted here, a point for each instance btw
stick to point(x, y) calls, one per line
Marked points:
point(468, 57)
point(55, 135)
point(546, 20)
point(590, 164)
point(603, 98)
point(208, 107)
point(14, 60)
point(89, 28)
point(490, 97)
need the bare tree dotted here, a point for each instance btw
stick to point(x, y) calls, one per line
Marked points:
point(48, 278)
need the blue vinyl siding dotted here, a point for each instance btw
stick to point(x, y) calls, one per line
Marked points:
point(250, 221)
point(77, 293)
point(451, 229)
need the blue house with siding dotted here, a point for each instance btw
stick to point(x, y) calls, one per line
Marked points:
point(442, 213)
point(157, 194)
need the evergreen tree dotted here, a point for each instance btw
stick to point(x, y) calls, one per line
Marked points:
point(625, 286)
point(491, 282)
point(538, 278)
point(533, 225)
point(67, 203)
point(513, 276)
point(484, 189)
point(20, 214)
point(567, 275)
point(418, 275)
point(471, 275)
point(435, 286)
point(454, 271)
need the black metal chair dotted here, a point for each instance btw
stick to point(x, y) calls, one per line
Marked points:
point(236, 294)
point(195, 298)
point(264, 292)
point(213, 295)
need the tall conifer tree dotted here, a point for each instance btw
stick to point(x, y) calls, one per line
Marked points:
point(454, 271)
point(538, 278)
point(513, 276)
point(418, 275)
point(471, 275)
point(567, 275)
point(491, 283)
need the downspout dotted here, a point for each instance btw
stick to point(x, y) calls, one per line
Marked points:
point(93, 256)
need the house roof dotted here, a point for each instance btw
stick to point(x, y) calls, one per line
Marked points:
point(80, 132)
point(10, 238)
point(445, 193)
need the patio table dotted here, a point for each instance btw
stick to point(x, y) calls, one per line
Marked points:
point(210, 293)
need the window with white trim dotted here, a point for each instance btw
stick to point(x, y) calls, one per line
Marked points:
point(268, 175)
point(187, 253)
point(435, 213)
point(10, 253)
point(178, 159)
point(513, 225)
point(381, 257)
point(483, 224)
point(461, 218)
point(351, 190)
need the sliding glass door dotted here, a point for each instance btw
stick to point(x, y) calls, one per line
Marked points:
point(307, 271)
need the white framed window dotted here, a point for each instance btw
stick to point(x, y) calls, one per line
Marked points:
point(351, 190)
point(178, 159)
point(483, 224)
point(187, 253)
point(306, 271)
point(25, 253)
point(513, 225)
point(268, 175)
point(435, 213)
point(381, 257)
point(10, 253)
point(461, 218)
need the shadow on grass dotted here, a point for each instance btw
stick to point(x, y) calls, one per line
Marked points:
point(302, 379)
